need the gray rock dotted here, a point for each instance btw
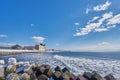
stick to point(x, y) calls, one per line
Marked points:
point(42, 77)
point(58, 69)
point(12, 76)
point(109, 77)
point(10, 69)
point(57, 75)
point(96, 76)
point(81, 78)
point(2, 69)
point(20, 70)
point(25, 76)
point(87, 75)
point(48, 72)
point(33, 76)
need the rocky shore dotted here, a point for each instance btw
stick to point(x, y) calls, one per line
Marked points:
point(18, 70)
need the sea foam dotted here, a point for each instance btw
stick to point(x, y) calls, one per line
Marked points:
point(80, 65)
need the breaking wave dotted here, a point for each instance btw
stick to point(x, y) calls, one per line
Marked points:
point(80, 65)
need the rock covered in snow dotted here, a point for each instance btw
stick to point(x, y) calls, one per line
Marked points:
point(2, 62)
point(12, 61)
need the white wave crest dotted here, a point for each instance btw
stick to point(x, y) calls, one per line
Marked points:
point(81, 65)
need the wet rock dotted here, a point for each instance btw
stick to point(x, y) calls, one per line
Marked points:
point(58, 69)
point(65, 76)
point(48, 72)
point(47, 66)
point(109, 77)
point(42, 77)
point(2, 78)
point(57, 75)
point(25, 76)
point(28, 69)
point(87, 75)
point(81, 78)
point(2, 69)
point(65, 69)
point(68, 74)
point(10, 69)
point(12, 76)
point(20, 70)
point(42, 69)
point(33, 76)
point(37, 71)
point(73, 77)
point(96, 76)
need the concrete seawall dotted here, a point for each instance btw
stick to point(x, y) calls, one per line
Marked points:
point(13, 52)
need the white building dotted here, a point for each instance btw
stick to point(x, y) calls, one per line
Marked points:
point(41, 47)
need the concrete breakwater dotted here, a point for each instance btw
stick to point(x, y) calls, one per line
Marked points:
point(14, 70)
point(13, 52)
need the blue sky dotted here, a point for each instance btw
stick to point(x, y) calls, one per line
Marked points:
point(82, 25)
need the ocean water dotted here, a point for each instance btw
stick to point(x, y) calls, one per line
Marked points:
point(77, 62)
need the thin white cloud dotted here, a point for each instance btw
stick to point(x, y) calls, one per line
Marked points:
point(103, 44)
point(94, 18)
point(32, 25)
point(88, 10)
point(114, 20)
point(38, 39)
point(102, 7)
point(101, 29)
point(97, 27)
point(3, 36)
point(76, 24)
point(57, 44)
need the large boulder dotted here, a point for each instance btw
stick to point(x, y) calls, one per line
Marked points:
point(42, 69)
point(28, 69)
point(57, 75)
point(65, 76)
point(42, 77)
point(20, 70)
point(12, 61)
point(96, 76)
point(33, 76)
point(81, 78)
point(87, 75)
point(58, 69)
point(47, 66)
point(65, 69)
point(73, 77)
point(25, 76)
point(12, 76)
point(48, 72)
point(10, 69)
point(110, 77)
point(2, 70)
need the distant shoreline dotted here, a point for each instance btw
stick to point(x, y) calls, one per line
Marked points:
point(15, 52)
